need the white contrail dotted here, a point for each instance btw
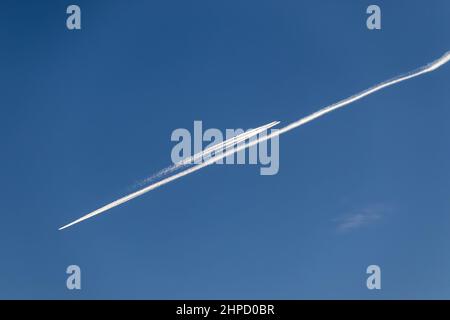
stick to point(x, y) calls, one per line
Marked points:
point(216, 147)
point(427, 68)
point(227, 143)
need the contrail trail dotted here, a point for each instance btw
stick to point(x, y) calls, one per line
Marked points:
point(425, 69)
point(219, 146)
point(227, 143)
point(232, 141)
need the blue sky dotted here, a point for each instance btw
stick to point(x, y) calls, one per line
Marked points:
point(86, 114)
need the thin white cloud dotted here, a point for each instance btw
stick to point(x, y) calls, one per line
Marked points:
point(361, 217)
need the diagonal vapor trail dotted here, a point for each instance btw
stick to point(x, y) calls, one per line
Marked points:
point(415, 73)
point(216, 147)
point(219, 146)
point(227, 143)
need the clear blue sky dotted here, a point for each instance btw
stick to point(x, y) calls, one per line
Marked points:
point(85, 114)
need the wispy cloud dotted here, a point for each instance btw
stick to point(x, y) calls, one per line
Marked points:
point(361, 217)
